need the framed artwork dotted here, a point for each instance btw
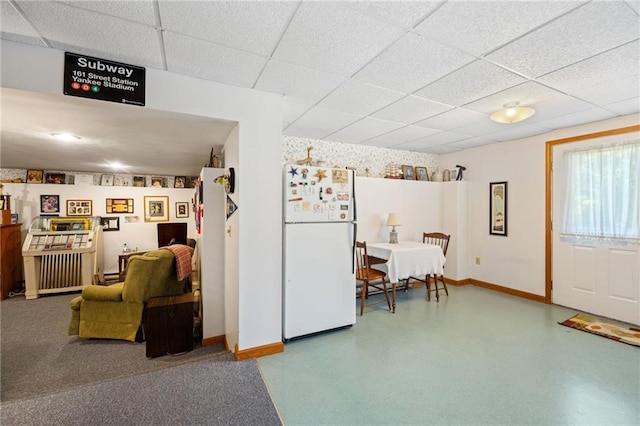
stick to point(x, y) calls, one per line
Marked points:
point(106, 180)
point(180, 182)
point(498, 208)
point(156, 208)
point(49, 204)
point(191, 181)
point(34, 176)
point(79, 207)
point(119, 205)
point(407, 172)
point(182, 209)
point(421, 173)
point(139, 181)
point(110, 223)
point(157, 182)
point(56, 178)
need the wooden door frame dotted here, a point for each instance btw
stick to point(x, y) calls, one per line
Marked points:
point(548, 238)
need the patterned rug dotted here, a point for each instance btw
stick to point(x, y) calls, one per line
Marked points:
point(621, 333)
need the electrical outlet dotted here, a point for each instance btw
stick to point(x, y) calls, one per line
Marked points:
point(477, 260)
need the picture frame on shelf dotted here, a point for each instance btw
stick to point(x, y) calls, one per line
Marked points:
point(156, 208)
point(139, 181)
point(56, 178)
point(157, 182)
point(106, 180)
point(407, 172)
point(191, 181)
point(79, 207)
point(421, 173)
point(182, 209)
point(498, 208)
point(34, 176)
point(110, 223)
point(49, 204)
point(179, 182)
point(119, 205)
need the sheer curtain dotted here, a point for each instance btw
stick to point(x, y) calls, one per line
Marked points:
point(603, 194)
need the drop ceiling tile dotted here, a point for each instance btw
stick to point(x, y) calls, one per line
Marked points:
point(137, 11)
point(411, 63)
point(481, 128)
point(383, 142)
point(630, 106)
point(611, 92)
point(333, 38)
point(520, 132)
point(635, 5)
point(577, 118)
point(297, 83)
point(14, 28)
point(292, 110)
point(186, 55)
point(252, 26)
point(410, 133)
point(471, 142)
point(410, 109)
point(620, 63)
point(441, 149)
point(364, 129)
point(453, 119)
point(323, 121)
point(83, 32)
point(359, 98)
point(478, 27)
point(556, 107)
point(528, 94)
point(441, 138)
point(585, 32)
point(404, 14)
point(470, 83)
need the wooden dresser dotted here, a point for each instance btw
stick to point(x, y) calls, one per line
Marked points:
point(11, 259)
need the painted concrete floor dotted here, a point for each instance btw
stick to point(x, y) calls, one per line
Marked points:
point(478, 357)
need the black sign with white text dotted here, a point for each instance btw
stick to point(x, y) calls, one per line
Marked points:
point(95, 78)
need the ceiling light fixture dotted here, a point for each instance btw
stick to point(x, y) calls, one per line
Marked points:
point(512, 113)
point(67, 137)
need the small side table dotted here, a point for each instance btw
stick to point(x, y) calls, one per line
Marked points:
point(124, 258)
point(168, 327)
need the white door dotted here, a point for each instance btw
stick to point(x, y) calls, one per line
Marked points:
point(596, 278)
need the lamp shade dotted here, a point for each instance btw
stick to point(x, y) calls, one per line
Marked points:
point(512, 113)
point(393, 220)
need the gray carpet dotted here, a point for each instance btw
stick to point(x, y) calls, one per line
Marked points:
point(49, 377)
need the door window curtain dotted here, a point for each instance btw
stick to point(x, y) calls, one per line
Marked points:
point(602, 202)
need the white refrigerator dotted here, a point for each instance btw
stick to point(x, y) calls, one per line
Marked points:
point(319, 289)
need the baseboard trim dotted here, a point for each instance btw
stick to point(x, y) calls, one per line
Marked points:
point(507, 290)
point(270, 349)
point(214, 340)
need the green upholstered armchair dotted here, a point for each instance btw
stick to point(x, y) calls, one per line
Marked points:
point(115, 311)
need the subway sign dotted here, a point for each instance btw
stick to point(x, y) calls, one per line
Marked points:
point(95, 78)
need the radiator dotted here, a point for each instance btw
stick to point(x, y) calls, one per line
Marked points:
point(60, 271)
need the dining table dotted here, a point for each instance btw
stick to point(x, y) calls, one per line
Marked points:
point(404, 260)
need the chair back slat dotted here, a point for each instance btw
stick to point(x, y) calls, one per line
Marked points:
point(437, 238)
point(362, 260)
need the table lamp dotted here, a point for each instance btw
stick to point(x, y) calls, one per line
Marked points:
point(393, 221)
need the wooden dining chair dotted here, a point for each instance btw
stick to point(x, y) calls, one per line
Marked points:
point(442, 240)
point(369, 277)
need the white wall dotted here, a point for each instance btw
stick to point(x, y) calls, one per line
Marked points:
point(25, 200)
point(260, 129)
point(516, 261)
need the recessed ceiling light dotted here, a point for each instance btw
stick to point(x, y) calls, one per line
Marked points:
point(512, 113)
point(67, 137)
point(116, 165)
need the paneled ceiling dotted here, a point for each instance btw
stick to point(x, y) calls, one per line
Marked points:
point(420, 76)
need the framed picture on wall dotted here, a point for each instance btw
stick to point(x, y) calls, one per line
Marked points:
point(119, 205)
point(139, 181)
point(156, 208)
point(498, 208)
point(34, 176)
point(182, 209)
point(79, 207)
point(179, 182)
point(56, 178)
point(106, 180)
point(49, 204)
point(110, 223)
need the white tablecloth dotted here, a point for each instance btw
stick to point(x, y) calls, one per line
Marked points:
point(408, 259)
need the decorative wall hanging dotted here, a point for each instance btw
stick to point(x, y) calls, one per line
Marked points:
point(34, 176)
point(182, 209)
point(231, 207)
point(49, 204)
point(79, 207)
point(498, 208)
point(119, 205)
point(110, 223)
point(156, 208)
point(228, 181)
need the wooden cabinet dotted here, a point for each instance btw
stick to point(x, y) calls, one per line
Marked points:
point(11, 259)
point(169, 325)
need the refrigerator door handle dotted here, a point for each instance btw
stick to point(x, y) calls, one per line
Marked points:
point(353, 248)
